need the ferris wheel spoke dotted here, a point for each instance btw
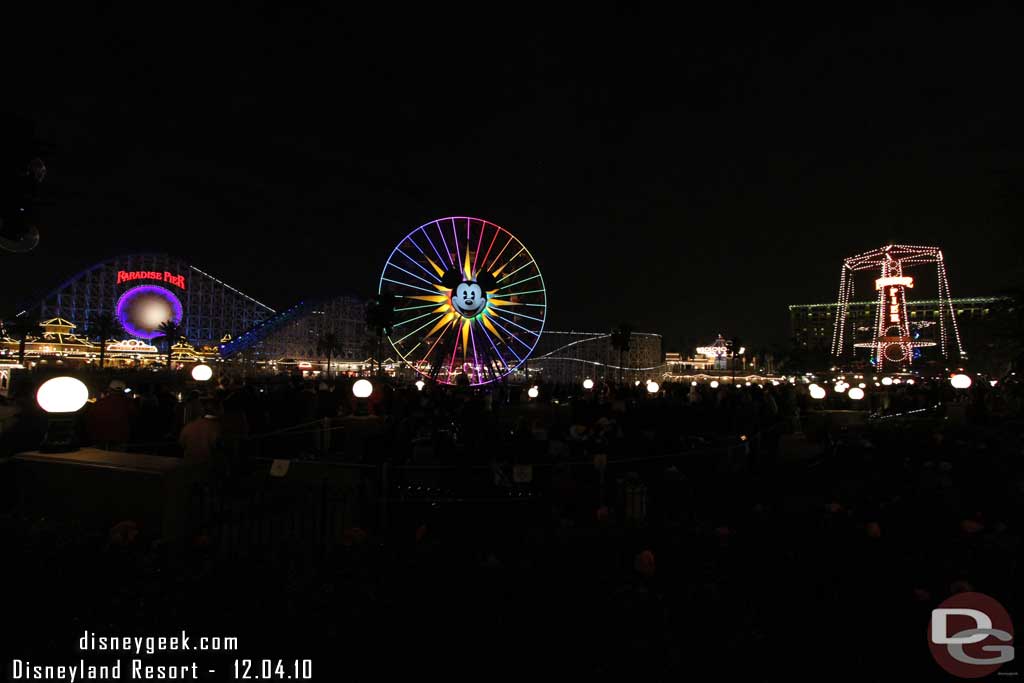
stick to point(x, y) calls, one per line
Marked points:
point(455, 349)
point(508, 275)
point(455, 236)
point(431, 349)
point(418, 317)
point(441, 315)
point(496, 350)
point(411, 274)
point(512, 284)
point(472, 339)
point(479, 242)
point(421, 267)
point(406, 284)
point(498, 257)
point(444, 241)
point(413, 308)
point(496, 271)
point(491, 246)
point(524, 329)
point(532, 291)
point(523, 315)
point(512, 334)
point(432, 245)
point(414, 243)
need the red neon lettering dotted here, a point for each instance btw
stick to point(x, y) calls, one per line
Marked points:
point(128, 276)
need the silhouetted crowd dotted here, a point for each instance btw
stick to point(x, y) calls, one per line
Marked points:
point(730, 532)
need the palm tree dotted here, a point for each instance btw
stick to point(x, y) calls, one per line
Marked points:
point(620, 342)
point(171, 332)
point(20, 328)
point(327, 345)
point(104, 326)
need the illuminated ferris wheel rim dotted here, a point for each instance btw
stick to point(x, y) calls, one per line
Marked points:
point(482, 319)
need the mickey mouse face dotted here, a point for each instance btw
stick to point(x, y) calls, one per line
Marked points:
point(468, 299)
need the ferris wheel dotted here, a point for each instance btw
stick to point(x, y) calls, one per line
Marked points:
point(469, 300)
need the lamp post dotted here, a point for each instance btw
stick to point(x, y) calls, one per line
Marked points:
point(961, 381)
point(202, 372)
point(61, 398)
point(362, 390)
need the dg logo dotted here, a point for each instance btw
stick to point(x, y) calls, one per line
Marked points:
point(970, 635)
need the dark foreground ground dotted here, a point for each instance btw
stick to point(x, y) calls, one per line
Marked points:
point(823, 568)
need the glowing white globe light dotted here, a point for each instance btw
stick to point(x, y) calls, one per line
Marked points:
point(653, 387)
point(993, 382)
point(887, 381)
point(775, 382)
point(636, 383)
point(840, 387)
point(362, 388)
point(862, 385)
point(816, 391)
point(202, 373)
point(746, 384)
point(897, 380)
point(420, 384)
point(534, 392)
point(693, 384)
point(960, 381)
point(714, 384)
point(589, 383)
point(62, 395)
point(910, 381)
point(856, 393)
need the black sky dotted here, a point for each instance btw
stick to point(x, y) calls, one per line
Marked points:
point(689, 172)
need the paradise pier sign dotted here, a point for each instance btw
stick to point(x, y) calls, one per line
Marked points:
point(170, 278)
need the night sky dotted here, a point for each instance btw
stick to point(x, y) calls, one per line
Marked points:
point(687, 173)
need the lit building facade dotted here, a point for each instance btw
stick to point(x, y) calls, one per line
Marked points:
point(215, 319)
point(812, 325)
point(56, 342)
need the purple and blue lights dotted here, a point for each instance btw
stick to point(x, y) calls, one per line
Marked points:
point(143, 309)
